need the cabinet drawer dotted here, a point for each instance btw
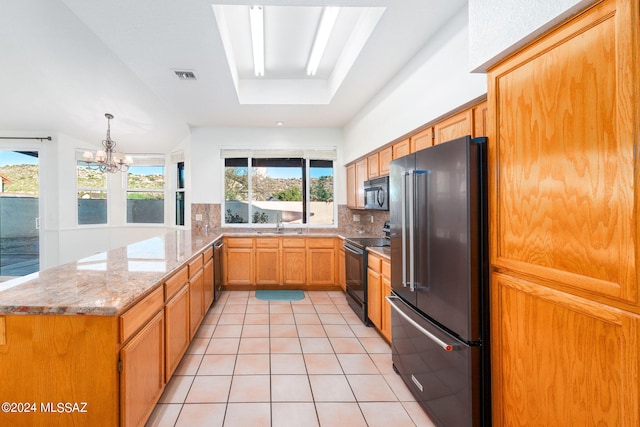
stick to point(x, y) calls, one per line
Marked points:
point(267, 242)
point(138, 315)
point(239, 242)
point(175, 282)
point(374, 263)
point(386, 269)
point(194, 265)
point(293, 242)
point(321, 242)
point(208, 254)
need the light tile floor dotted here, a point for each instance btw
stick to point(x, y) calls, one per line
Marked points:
point(303, 363)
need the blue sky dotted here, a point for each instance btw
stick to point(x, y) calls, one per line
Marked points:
point(13, 158)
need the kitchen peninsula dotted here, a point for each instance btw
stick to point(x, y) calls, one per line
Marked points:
point(93, 342)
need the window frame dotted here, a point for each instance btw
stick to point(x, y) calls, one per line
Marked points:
point(105, 189)
point(145, 160)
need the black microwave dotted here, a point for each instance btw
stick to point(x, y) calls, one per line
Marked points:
point(376, 194)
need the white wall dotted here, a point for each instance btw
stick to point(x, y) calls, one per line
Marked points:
point(436, 81)
point(206, 165)
point(498, 28)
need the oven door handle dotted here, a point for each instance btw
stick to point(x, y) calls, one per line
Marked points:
point(443, 345)
point(353, 251)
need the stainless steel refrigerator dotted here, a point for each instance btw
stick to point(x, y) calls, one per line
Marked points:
point(440, 285)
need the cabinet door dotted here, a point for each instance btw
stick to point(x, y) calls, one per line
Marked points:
point(384, 158)
point(196, 302)
point(351, 186)
point(386, 291)
point(458, 125)
point(267, 266)
point(177, 332)
point(374, 294)
point(294, 266)
point(480, 119)
point(209, 285)
point(240, 268)
point(321, 266)
point(401, 148)
point(422, 140)
point(142, 376)
point(361, 177)
point(373, 167)
point(342, 277)
point(561, 360)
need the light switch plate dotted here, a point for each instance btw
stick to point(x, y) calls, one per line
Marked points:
point(198, 217)
point(356, 218)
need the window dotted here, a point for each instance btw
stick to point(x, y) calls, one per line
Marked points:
point(145, 191)
point(92, 193)
point(271, 190)
point(180, 194)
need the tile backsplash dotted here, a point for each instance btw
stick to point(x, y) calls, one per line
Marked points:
point(370, 222)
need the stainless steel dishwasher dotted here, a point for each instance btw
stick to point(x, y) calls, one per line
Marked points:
point(218, 249)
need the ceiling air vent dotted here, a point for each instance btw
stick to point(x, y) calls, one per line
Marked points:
point(185, 75)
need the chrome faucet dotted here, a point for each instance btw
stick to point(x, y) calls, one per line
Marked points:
point(278, 222)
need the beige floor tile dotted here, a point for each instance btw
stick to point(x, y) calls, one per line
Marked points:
point(209, 389)
point(177, 389)
point(164, 415)
point(322, 364)
point(227, 331)
point(357, 364)
point(398, 386)
point(281, 319)
point(217, 364)
point(383, 362)
point(201, 415)
point(346, 345)
point(316, 345)
point(256, 319)
point(234, 309)
point(371, 388)
point(294, 415)
point(316, 300)
point(331, 388)
point(211, 318)
point(339, 331)
point(231, 319)
point(417, 414)
point(287, 364)
point(250, 388)
point(248, 414)
point(253, 345)
point(198, 346)
point(276, 307)
point(223, 346)
point(307, 319)
point(290, 388)
point(257, 309)
point(311, 331)
point(189, 364)
point(332, 319)
point(303, 308)
point(352, 318)
point(205, 331)
point(252, 364)
point(283, 331)
point(341, 415)
point(385, 414)
point(285, 345)
point(326, 308)
point(375, 345)
point(255, 331)
point(362, 331)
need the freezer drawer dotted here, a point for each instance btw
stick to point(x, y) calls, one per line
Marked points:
point(442, 372)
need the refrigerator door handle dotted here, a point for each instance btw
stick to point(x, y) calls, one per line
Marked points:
point(412, 265)
point(403, 215)
point(445, 346)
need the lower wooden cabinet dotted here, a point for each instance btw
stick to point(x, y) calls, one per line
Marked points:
point(196, 302)
point(321, 257)
point(267, 254)
point(142, 377)
point(374, 293)
point(379, 287)
point(294, 266)
point(239, 261)
point(208, 283)
point(177, 331)
point(385, 328)
point(342, 277)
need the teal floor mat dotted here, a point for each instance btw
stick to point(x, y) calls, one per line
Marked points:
point(279, 295)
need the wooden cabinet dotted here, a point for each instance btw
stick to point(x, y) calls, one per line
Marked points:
point(401, 148)
point(379, 287)
point(361, 177)
point(458, 125)
point(384, 158)
point(351, 186)
point(342, 277)
point(268, 265)
point(208, 283)
point(563, 185)
point(176, 314)
point(480, 119)
point(422, 140)
point(239, 261)
point(142, 376)
point(321, 261)
point(294, 260)
point(373, 166)
point(196, 301)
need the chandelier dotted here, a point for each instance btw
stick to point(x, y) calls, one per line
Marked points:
point(108, 160)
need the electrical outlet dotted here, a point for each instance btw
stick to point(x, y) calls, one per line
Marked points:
point(356, 218)
point(198, 217)
point(371, 219)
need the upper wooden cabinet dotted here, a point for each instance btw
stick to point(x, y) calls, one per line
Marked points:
point(384, 158)
point(361, 177)
point(456, 126)
point(422, 139)
point(373, 166)
point(401, 148)
point(351, 186)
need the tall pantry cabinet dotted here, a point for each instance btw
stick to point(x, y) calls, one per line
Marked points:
point(564, 117)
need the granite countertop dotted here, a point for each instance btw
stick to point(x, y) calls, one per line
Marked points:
point(384, 251)
point(104, 284)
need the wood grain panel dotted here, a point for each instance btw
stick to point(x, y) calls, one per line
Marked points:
point(422, 140)
point(134, 318)
point(458, 125)
point(177, 333)
point(294, 266)
point(373, 166)
point(268, 266)
point(401, 148)
point(321, 266)
point(384, 158)
point(196, 302)
point(563, 146)
point(561, 360)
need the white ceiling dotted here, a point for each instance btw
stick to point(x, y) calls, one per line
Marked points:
point(64, 63)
